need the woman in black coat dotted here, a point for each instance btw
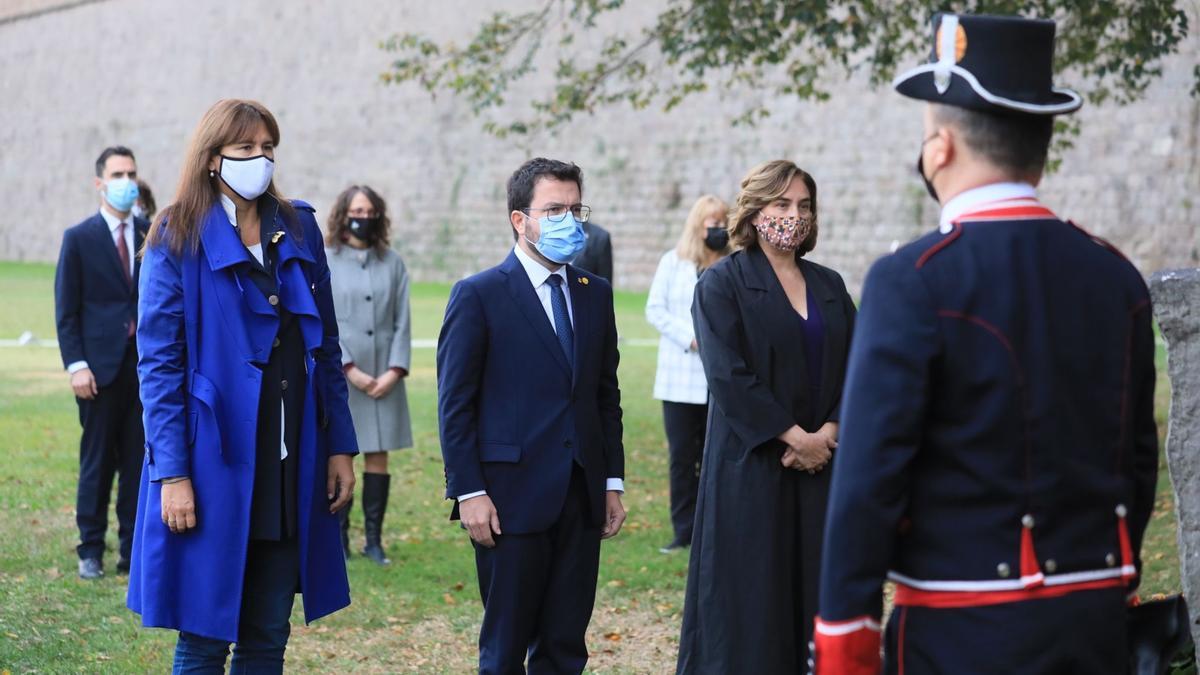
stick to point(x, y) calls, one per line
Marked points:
point(774, 331)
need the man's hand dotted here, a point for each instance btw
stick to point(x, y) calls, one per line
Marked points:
point(84, 384)
point(359, 379)
point(339, 485)
point(179, 506)
point(383, 384)
point(478, 515)
point(614, 515)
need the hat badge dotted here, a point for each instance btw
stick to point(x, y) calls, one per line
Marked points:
point(960, 43)
point(950, 45)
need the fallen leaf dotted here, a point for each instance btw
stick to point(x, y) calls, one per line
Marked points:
point(449, 599)
point(613, 636)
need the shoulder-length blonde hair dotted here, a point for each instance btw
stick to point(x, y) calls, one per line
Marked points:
point(691, 240)
point(337, 228)
point(764, 184)
point(227, 122)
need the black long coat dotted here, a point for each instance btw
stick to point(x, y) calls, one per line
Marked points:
point(752, 578)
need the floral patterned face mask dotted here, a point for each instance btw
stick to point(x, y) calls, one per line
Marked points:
point(785, 234)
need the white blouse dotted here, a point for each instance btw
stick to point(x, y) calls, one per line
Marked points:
point(680, 375)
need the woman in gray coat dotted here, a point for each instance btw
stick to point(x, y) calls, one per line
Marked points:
point(370, 293)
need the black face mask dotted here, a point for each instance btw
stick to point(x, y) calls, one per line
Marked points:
point(365, 229)
point(716, 238)
point(921, 171)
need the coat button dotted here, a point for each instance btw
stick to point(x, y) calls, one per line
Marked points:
point(283, 385)
point(1110, 560)
point(370, 332)
point(1003, 570)
point(1027, 521)
point(1051, 566)
point(275, 343)
point(274, 300)
point(368, 298)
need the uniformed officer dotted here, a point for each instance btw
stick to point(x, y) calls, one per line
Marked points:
point(999, 454)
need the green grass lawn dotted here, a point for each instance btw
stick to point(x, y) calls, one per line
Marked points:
point(422, 613)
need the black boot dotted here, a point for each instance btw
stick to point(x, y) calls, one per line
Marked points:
point(375, 497)
point(344, 521)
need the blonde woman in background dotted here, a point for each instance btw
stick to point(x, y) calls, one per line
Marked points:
point(679, 381)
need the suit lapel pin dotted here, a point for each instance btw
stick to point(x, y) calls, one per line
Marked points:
point(277, 236)
point(583, 280)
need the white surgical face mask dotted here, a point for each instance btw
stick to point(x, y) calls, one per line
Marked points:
point(248, 177)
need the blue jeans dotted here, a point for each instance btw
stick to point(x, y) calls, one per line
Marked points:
point(272, 577)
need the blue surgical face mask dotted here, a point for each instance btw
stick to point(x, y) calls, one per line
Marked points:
point(560, 242)
point(121, 193)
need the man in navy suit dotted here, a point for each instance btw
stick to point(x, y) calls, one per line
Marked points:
point(95, 297)
point(999, 454)
point(530, 421)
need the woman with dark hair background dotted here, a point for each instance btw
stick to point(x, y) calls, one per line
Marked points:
point(370, 292)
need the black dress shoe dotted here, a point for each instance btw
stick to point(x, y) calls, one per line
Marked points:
point(90, 568)
point(673, 547)
point(123, 566)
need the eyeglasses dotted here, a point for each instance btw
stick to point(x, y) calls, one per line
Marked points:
point(556, 212)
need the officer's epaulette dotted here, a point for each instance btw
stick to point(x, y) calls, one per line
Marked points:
point(301, 204)
point(1101, 241)
point(942, 243)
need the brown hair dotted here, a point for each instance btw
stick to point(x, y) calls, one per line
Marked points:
point(228, 121)
point(764, 184)
point(146, 197)
point(691, 240)
point(337, 228)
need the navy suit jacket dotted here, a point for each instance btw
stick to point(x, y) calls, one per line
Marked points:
point(513, 416)
point(93, 303)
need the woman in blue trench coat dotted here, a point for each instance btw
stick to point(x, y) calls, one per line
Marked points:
point(249, 440)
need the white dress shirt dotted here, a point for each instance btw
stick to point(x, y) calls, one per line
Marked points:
point(680, 375)
point(971, 199)
point(538, 274)
point(114, 224)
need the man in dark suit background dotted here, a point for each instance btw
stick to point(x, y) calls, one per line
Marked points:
point(95, 296)
point(530, 421)
point(597, 252)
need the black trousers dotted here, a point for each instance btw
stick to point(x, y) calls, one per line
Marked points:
point(1083, 633)
point(113, 442)
point(538, 591)
point(685, 424)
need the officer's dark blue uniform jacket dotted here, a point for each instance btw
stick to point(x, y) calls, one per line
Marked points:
point(998, 403)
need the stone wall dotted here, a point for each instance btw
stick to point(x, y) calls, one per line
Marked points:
point(141, 73)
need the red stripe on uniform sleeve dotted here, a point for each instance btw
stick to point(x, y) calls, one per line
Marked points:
point(847, 647)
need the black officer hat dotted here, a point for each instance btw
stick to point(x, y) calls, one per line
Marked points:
point(996, 64)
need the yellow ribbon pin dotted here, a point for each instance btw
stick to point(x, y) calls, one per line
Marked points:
point(277, 236)
point(583, 280)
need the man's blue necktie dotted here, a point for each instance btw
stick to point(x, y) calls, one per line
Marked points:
point(562, 318)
